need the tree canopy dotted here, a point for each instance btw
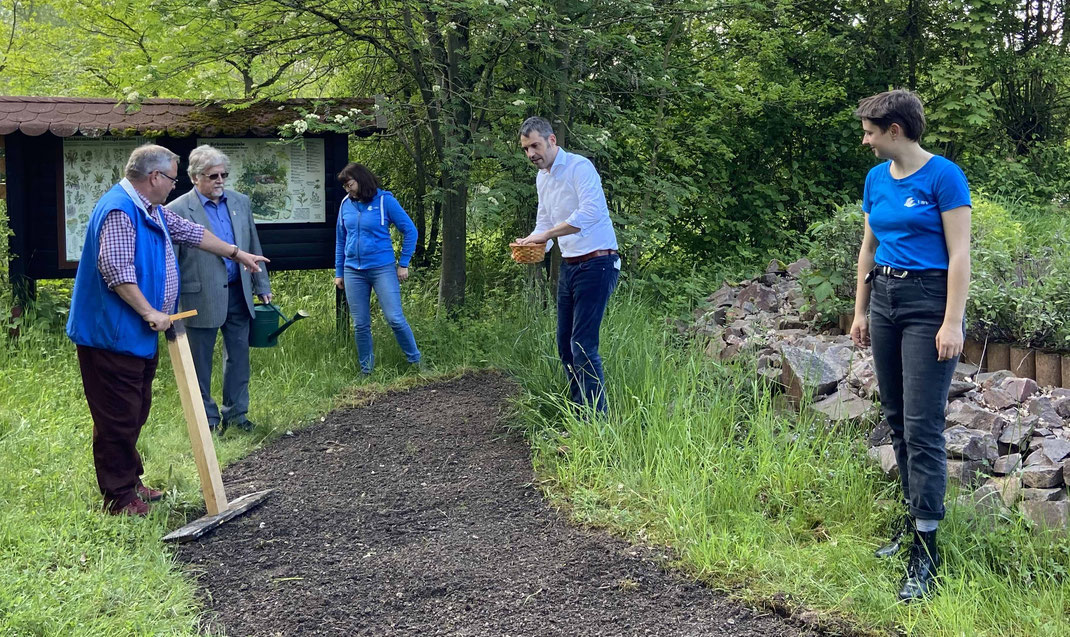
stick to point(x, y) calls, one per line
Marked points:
point(721, 128)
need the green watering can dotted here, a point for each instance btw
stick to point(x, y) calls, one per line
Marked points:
point(265, 329)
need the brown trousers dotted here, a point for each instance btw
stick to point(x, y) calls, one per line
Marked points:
point(118, 389)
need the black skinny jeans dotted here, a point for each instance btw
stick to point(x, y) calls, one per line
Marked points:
point(905, 315)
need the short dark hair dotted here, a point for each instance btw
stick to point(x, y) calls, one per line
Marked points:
point(537, 125)
point(367, 182)
point(894, 107)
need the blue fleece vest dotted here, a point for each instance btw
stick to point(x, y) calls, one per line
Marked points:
point(99, 317)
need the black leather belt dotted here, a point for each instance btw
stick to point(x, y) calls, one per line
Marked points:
point(896, 273)
point(588, 256)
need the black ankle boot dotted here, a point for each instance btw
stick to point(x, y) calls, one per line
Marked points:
point(920, 581)
point(899, 529)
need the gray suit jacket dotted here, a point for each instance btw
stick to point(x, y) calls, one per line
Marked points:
point(204, 276)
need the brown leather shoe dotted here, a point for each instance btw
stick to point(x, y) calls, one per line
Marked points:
point(134, 507)
point(148, 495)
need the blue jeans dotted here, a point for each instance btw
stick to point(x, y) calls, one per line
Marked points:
point(359, 285)
point(582, 294)
point(905, 315)
point(235, 360)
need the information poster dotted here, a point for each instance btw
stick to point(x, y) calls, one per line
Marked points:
point(91, 166)
point(284, 182)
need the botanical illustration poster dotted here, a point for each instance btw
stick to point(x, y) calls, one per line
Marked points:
point(284, 182)
point(91, 166)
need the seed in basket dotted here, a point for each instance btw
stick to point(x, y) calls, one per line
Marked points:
point(528, 253)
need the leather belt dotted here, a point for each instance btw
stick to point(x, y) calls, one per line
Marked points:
point(896, 273)
point(588, 256)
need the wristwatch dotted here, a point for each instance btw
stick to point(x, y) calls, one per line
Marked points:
point(235, 253)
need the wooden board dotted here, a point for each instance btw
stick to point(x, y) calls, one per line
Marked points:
point(200, 526)
point(215, 498)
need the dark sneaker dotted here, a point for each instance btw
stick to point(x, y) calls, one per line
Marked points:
point(148, 495)
point(245, 425)
point(135, 507)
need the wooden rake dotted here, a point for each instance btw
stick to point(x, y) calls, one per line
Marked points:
point(215, 497)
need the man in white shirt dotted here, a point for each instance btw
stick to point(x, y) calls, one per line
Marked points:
point(572, 208)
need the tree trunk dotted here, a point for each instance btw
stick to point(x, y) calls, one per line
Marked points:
point(454, 231)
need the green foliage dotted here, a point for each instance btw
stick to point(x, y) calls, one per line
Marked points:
point(1039, 177)
point(722, 131)
point(5, 232)
point(833, 252)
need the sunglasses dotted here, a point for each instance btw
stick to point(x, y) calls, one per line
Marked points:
point(173, 179)
point(216, 176)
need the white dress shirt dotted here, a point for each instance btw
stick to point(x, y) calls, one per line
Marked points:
point(571, 192)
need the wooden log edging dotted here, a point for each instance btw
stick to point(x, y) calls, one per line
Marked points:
point(1047, 368)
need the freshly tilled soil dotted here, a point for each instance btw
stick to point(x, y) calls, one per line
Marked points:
point(415, 514)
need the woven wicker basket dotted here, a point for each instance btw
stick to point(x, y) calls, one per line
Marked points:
point(532, 253)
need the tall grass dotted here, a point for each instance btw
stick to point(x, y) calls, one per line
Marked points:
point(698, 456)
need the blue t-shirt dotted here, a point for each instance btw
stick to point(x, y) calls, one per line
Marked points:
point(904, 214)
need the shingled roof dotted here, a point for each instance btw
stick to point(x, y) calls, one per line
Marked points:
point(94, 117)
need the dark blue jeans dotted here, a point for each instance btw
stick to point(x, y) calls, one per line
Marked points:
point(582, 294)
point(904, 317)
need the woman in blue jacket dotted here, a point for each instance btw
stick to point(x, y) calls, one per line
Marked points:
point(913, 275)
point(364, 259)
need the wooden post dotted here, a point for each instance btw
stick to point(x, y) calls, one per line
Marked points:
point(973, 352)
point(1066, 370)
point(1049, 372)
point(999, 356)
point(1023, 362)
point(215, 498)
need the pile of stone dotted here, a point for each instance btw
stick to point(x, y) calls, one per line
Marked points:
point(1008, 440)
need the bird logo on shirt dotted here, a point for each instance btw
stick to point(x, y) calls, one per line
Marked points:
point(911, 202)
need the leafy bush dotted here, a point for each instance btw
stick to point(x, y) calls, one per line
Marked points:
point(1042, 176)
point(833, 251)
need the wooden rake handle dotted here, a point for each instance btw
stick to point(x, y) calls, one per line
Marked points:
point(180, 315)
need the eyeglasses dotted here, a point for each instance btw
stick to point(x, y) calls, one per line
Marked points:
point(216, 176)
point(174, 180)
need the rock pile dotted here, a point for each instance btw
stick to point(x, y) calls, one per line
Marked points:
point(1008, 440)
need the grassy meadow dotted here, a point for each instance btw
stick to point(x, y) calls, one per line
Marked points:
point(694, 455)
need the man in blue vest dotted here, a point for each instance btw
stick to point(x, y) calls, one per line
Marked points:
point(125, 289)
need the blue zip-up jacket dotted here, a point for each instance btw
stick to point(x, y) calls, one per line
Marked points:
point(101, 318)
point(362, 237)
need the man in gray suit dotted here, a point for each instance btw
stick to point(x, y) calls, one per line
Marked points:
point(220, 290)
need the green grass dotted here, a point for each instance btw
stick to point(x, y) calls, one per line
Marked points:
point(693, 455)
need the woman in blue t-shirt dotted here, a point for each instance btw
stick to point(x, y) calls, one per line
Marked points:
point(364, 259)
point(913, 274)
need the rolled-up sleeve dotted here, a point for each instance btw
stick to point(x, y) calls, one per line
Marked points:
point(116, 258)
point(591, 205)
point(182, 230)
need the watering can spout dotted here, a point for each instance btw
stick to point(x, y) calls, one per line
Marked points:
point(285, 326)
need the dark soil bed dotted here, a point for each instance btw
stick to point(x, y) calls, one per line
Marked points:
point(415, 515)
